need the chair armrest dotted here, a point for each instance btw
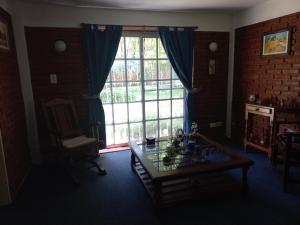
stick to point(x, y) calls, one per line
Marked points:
point(57, 136)
point(54, 132)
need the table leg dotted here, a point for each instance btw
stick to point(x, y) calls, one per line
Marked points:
point(157, 192)
point(132, 161)
point(245, 179)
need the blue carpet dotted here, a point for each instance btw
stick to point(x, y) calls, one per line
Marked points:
point(119, 198)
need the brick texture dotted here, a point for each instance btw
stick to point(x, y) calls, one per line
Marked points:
point(266, 76)
point(210, 103)
point(69, 67)
point(12, 116)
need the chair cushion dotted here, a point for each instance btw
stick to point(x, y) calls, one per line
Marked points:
point(78, 142)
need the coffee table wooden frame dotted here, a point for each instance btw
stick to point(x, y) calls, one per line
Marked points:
point(190, 182)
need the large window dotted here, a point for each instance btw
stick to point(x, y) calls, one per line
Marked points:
point(143, 96)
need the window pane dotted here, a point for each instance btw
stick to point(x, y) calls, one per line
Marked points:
point(120, 113)
point(151, 129)
point(120, 53)
point(133, 70)
point(136, 132)
point(161, 50)
point(149, 48)
point(150, 70)
point(119, 92)
point(164, 89)
point(165, 109)
point(121, 133)
point(135, 112)
point(150, 90)
point(123, 92)
point(108, 113)
point(109, 134)
point(106, 94)
point(132, 47)
point(165, 128)
point(177, 108)
point(117, 71)
point(134, 91)
point(151, 110)
point(164, 94)
point(174, 75)
point(164, 69)
point(177, 93)
point(177, 123)
point(176, 84)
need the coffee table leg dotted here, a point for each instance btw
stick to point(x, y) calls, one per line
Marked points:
point(157, 192)
point(132, 161)
point(245, 179)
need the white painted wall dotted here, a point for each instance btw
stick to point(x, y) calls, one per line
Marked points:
point(3, 4)
point(67, 16)
point(23, 62)
point(266, 11)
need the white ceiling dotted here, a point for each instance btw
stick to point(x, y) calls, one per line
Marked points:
point(159, 5)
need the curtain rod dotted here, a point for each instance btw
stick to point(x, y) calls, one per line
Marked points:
point(146, 26)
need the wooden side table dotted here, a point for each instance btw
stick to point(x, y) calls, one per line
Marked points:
point(259, 110)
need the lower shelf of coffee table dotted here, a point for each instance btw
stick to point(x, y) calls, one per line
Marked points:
point(200, 186)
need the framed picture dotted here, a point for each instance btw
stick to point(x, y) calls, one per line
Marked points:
point(4, 31)
point(211, 67)
point(276, 42)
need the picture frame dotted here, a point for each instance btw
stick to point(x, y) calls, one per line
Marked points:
point(211, 67)
point(5, 39)
point(276, 43)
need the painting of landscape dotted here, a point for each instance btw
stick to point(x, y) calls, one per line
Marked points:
point(276, 43)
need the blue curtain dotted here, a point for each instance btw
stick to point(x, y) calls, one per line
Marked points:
point(178, 45)
point(101, 47)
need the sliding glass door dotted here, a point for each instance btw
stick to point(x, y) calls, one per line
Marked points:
point(143, 96)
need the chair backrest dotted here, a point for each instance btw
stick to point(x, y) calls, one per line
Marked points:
point(61, 118)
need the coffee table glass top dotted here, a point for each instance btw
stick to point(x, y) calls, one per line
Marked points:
point(202, 153)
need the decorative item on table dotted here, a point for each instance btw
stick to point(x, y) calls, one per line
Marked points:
point(251, 136)
point(194, 128)
point(170, 155)
point(150, 141)
point(175, 142)
point(192, 137)
point(179, 134)
point(252, 98)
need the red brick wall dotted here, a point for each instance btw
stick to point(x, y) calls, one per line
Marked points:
point(68, 66)
point(12, 116)
point(265, 76)
point(211, 101)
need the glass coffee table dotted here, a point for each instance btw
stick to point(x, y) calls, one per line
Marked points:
point(188, 174)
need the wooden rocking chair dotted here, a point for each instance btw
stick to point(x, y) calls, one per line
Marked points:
point(72, 146)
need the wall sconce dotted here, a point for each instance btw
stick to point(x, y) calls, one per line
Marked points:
point(213, 47)
point(60, 46)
